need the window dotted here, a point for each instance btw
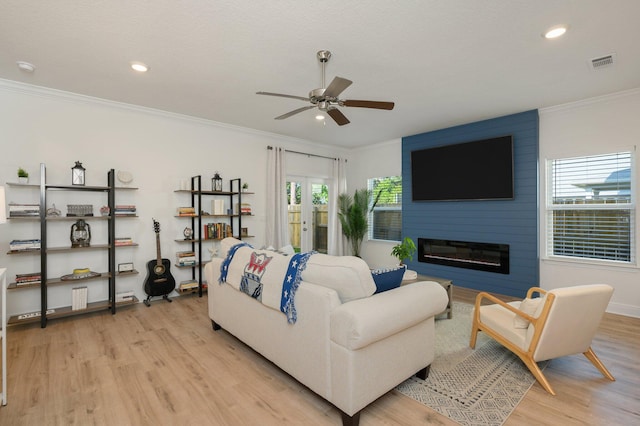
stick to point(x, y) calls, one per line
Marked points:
point(590, 208)
point(385, 219)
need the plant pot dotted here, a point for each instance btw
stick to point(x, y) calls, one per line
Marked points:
point(23, 179)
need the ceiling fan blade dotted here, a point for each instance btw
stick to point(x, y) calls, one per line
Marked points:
point(283, 96)
point(338, 116)
point(337, 85)
point(294, 112)
point(369, 104)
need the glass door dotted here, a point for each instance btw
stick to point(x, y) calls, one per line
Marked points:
point(308, 205)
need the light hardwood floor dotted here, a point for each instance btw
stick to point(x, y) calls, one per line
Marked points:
point(164, 365)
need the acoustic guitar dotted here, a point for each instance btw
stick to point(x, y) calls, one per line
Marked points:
point(159, 281)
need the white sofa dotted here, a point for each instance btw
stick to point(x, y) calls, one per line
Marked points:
point(348, 345)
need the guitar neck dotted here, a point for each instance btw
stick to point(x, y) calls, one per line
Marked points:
point(159, 259)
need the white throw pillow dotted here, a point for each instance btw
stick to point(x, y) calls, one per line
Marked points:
point(349, 276)
point(529, 307)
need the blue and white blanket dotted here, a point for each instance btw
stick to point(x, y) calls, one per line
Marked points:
point(267, 276)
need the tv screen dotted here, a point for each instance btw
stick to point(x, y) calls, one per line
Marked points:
point(479, 170)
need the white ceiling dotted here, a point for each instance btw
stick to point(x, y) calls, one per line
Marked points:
point(443, 62)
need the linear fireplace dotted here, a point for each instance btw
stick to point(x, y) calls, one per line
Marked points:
point(465, 254)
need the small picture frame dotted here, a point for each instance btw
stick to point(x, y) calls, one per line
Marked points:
point(244, 232)
point(125, 267)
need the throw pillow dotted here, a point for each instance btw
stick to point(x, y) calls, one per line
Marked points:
point(388, 278)
point(529, 307)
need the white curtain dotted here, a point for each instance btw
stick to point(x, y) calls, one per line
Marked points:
point(277, 216)
point(336, 240)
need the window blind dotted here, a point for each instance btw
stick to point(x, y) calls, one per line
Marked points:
point(590, 208)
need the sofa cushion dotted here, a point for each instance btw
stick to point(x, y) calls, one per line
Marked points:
point(388, 278)
point(349, 276)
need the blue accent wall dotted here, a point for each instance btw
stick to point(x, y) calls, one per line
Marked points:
point(513, 222)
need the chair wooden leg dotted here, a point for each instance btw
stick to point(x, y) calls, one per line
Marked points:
point(591, 356)
point(474, 335)
point(537, 373)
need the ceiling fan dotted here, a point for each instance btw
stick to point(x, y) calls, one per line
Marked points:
point(326, 97)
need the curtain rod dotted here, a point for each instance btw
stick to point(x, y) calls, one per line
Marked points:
point(306, 153)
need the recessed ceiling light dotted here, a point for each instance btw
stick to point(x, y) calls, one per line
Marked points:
point(26, 66)
point(139, 66)
point(555, 32)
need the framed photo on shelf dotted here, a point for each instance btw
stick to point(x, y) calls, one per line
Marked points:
point(125, 267)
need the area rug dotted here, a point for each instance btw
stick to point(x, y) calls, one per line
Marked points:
point(478, 387)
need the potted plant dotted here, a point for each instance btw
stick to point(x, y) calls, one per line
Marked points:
point(23, 175)
point(353, 213)
point(245, 187)
point(404, 250)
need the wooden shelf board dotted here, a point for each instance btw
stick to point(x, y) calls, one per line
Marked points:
point(74, 218)
point(124, 274)
point(15, 286)
point(66, 311)
point(68, 249)
point(60, 281)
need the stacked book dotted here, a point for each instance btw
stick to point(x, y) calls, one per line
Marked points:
point(24, 210)
point(24, 245)
point(216, 231)
point(125, 296)
point(78, 298)
point(186, 211)
point(125, 210)
point(186, 258)
point(244, 208)
point(123, 241)
point(28, 279)
point(188, 285)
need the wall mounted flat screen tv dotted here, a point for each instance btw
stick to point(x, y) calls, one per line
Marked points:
point(478, 170)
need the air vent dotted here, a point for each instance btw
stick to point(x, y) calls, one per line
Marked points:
point(603, 61)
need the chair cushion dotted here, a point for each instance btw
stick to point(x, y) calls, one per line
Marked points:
point(529, 307)
point(388, 278)
point(501, 320)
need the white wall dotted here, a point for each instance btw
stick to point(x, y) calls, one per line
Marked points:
point(159, 149)
point(595, 126)
point(380, 160)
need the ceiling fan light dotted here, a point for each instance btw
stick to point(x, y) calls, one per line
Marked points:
point(319, 117)
point(555, 32)
point(139, 66)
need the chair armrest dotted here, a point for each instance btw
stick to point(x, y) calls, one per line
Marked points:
point(538, 290)
point(494, 299)
point(362, 322)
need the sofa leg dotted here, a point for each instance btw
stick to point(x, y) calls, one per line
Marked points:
point(424, 373)
point(215, 326)
point(348, 420)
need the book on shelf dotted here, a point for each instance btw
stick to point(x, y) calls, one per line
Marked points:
point(24, 245)
point(79, 298)
point(244, 208)
point(125, 296)
point(188, 285)
point(216, 231)
point(125, 210)
point(35, 314)
point(186, 258)
point(123, 241)
point(186, 211)
point(28, 279)
point(217, 207)
point(24, 210)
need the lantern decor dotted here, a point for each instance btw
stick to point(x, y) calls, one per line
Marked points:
point(77, 174)
point(80, 234)
point(216, 183)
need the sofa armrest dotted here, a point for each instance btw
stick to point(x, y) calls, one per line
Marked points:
point(362, 322)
